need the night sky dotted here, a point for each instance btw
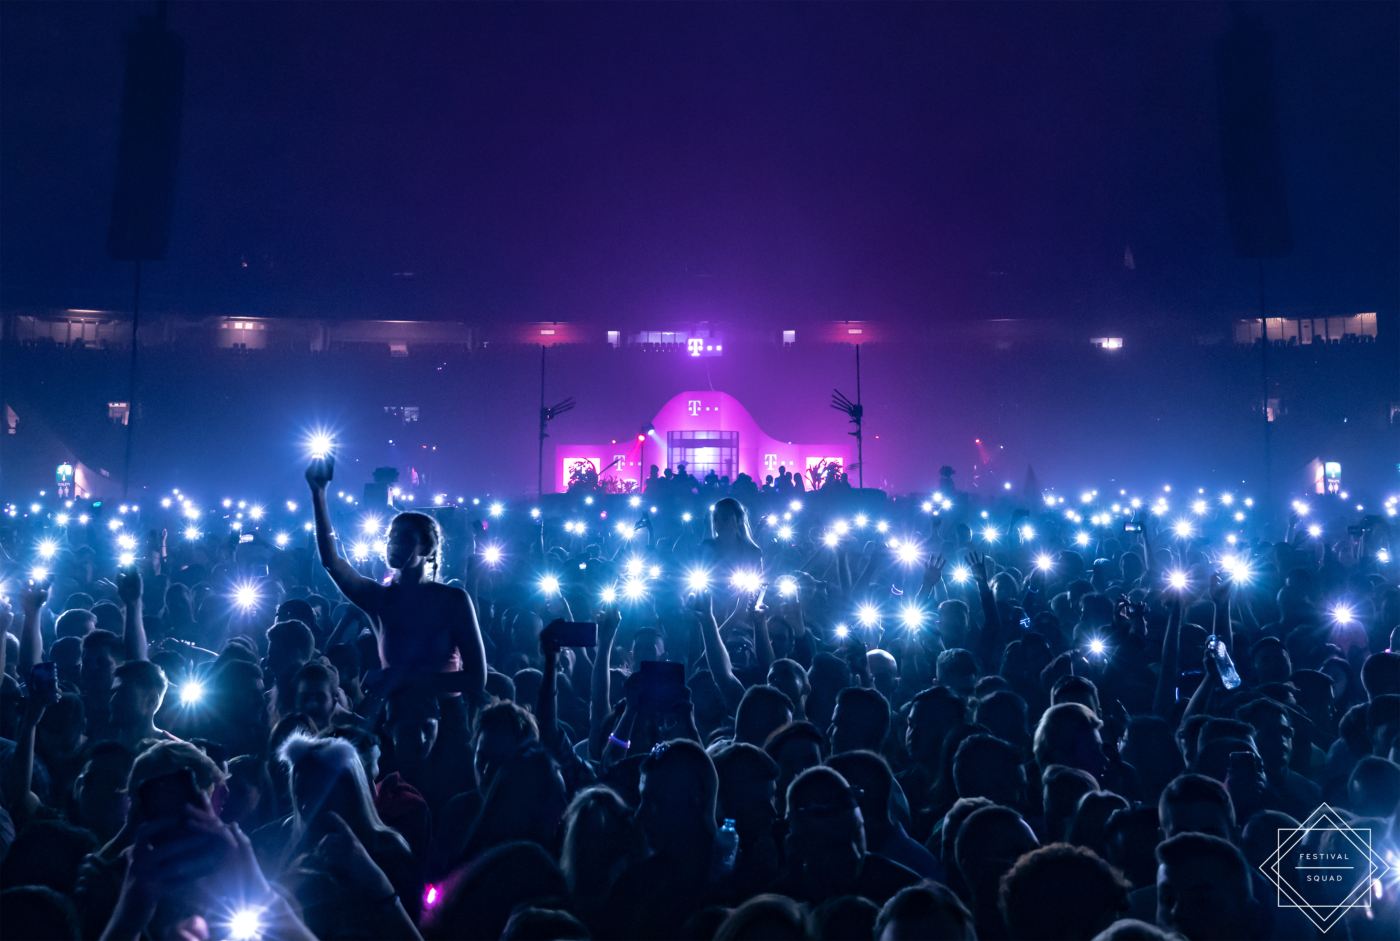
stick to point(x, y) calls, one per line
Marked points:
point(646, 163)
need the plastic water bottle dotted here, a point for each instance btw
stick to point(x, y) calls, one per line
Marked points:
point(728, 846)
point(1229, 676)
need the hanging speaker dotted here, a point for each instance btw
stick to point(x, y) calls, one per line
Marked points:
point(148, 144)
point(1249, 142)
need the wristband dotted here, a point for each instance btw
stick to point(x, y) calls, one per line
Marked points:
point(625, 746)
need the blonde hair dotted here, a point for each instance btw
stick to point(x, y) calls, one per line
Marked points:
point(730, 505)
point(168, 757)
point(339, 756)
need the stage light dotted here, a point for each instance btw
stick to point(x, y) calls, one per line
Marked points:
point(785, 533)
point(47, 549)
point(928, 506)
point(1176, 579)
point(256, 512)
point(831, 539)
point(1044, 562)
point(114, 525)
point(1027, 532)
point(868, 614)
point(685, 517)
point(746, 580)
point(549, 585)
point(61, 519)
point(882, 527)
point(634, 590)
point(861, 520)
point(191, 692)
point(282, 539)
point(1081, 539)
point(989, 533)
point(842, 631)
point(634, 566)
point(697, 580)
point(1314, 530)
point(787, 585)
point(126, 541)
point(491, 554)
point(840, 527)
point(319, 444)
point(961, 574)
point(1183, 528)
point(795, 505)
point(912, 616)
point(1343, 614)
point(245, 596)
point(609, 595)
point(1199, 507)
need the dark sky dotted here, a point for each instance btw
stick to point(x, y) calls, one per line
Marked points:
point(645, 162)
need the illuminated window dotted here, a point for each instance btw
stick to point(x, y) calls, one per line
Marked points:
point(614, 338)
point(789, 337)
point(1107, 343)
point(398, 349)
point(118, 413)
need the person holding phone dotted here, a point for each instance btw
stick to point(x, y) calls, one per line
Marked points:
point(424, 629)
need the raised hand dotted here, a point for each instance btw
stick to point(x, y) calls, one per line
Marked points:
point(320, 472)
point(608, 619)
point(129, 585)
point(978, 565)
point(933, 571)
point(1219, 589)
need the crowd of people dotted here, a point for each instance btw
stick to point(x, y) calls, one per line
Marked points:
point(696, 711)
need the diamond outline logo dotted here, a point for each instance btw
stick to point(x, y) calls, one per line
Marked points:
point(1324, 818)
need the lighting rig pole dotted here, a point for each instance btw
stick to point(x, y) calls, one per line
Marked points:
point(856, 413)
point(547, 415)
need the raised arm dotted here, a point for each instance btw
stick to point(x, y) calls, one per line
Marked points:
point(600, 686)
point(352, 584)
point(1170, 674)
point(716, 654)
point(31, 644)
point(1220, 594)
point(134, 633)
point(466, 633)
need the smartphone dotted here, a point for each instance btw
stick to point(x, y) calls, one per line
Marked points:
point(1132, 526)
point(572, 633)
point(1229, 676)
point(166, 795)
point(259, 571)
point(663, 684)
point(246, 537)
point(43, 679)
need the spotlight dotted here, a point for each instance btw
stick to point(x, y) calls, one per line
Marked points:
point(291, 506)
point(1227, 498)
point(534, 513)
point(126, 558)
